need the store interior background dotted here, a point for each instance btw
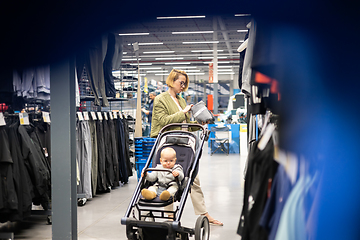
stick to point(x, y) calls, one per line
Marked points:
point(322, 65)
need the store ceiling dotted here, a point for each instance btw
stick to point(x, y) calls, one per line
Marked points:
point(163, 35)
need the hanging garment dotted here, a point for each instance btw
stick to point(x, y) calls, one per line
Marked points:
point(94, 156)
point(36, 165)
point(108, 77)
point(101, 179)
point(261, 170)
point(8, 198)
point(127, 148)
point(84, 158)
point(43, 132)
point(124, 177)
point(22, 181)
point(280, 191)
point(115, 156)
point(108, 154)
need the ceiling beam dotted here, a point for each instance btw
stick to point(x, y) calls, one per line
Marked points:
point(225, 35)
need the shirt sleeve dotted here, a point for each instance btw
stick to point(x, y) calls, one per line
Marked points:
point(163, 116)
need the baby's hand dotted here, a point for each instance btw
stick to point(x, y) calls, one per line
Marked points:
point(142, 173)
point(175, 173)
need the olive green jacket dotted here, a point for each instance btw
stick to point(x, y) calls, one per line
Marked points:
point(166, 111)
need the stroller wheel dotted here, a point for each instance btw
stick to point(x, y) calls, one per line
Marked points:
point(202, 228)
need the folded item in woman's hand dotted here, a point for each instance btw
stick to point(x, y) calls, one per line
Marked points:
point(201, 113)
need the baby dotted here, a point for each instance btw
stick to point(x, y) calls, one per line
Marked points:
point(164, 181)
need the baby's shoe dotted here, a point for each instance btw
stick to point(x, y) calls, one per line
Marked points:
point(147, 194)
point(164, 196)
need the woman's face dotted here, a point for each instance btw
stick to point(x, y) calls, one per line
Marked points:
point(179, 84)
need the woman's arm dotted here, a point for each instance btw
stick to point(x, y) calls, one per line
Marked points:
point(161, 113)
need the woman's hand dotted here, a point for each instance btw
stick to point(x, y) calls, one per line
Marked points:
point(203, 123)
point(187, 108)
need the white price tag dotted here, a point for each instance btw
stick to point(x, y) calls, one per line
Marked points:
point(24, 118)
point(46, 117)
point(2, 119)
point(86, 115)
point(99, 116)
point(80, 116)
point(105, 115)
point(115, 115)
point(93, 115)
point(110, 115)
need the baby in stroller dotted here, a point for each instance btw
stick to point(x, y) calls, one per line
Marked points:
point(165, 183)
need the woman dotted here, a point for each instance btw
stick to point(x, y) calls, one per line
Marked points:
point(169, 107)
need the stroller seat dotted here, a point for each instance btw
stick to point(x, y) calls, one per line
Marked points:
point(184, 146)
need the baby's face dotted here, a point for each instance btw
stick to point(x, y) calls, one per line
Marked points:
point(168, 161)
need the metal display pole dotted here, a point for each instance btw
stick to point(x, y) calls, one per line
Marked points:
point(63, 147)
point(138, 122)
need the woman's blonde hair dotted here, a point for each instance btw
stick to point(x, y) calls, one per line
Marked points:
point(174, 75)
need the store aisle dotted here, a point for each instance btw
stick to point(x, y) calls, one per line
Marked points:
point(221, 180)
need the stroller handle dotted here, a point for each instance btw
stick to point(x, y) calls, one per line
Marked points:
point(182, 125)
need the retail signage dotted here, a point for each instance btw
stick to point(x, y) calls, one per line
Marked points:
point(46, 116)
point(211, 72)
point(24, 118)
point(93, 115)
point(80, 116)
point(86, 115)
point(99, 116)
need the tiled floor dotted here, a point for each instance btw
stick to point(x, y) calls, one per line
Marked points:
point(222, 183)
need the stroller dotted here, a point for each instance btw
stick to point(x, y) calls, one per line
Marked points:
point(149, 220)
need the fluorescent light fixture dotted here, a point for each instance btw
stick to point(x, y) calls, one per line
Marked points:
point(195, 73)
point(160, 71)
point(242, 15)
point(242, 30)
point(192, 70)
point(200, 42)
point(211, 57)
point(225, 66)
point(124, 52)
point(177, 63)
point(132, 34)
point(225, 70)
point(175, 17)
point(160, 52)
point(218, 62)
point(142, 74)
point(135, 64)
point(161, 74)
point(183, 67)
point(206, 50)
point(150, 68)
point(157, 43)
point(172, 58)
point(129, 59)
point(225, 73)
point(193, 32)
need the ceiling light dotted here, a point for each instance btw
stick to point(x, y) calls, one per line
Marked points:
point(192, 70)
point(160, 52)
point(242, 15)
point(157, 43)
point(242, 30)
point(150, 68)
point(132, 34)
point(135, 64)
point(225, 73)
point(129, 59)
point(206, 50)
point(182, 67)
point(161, 71)
point(211, 57)
point(174, 17)
point(225, 70)
point(195, 73)
point(200, 42)
point(124, 52)
point(174, 58)
point(161, 74)
point(241, 41)
point(176, 63)
point(142, 74)
point(193, 32)
point(225, 66)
